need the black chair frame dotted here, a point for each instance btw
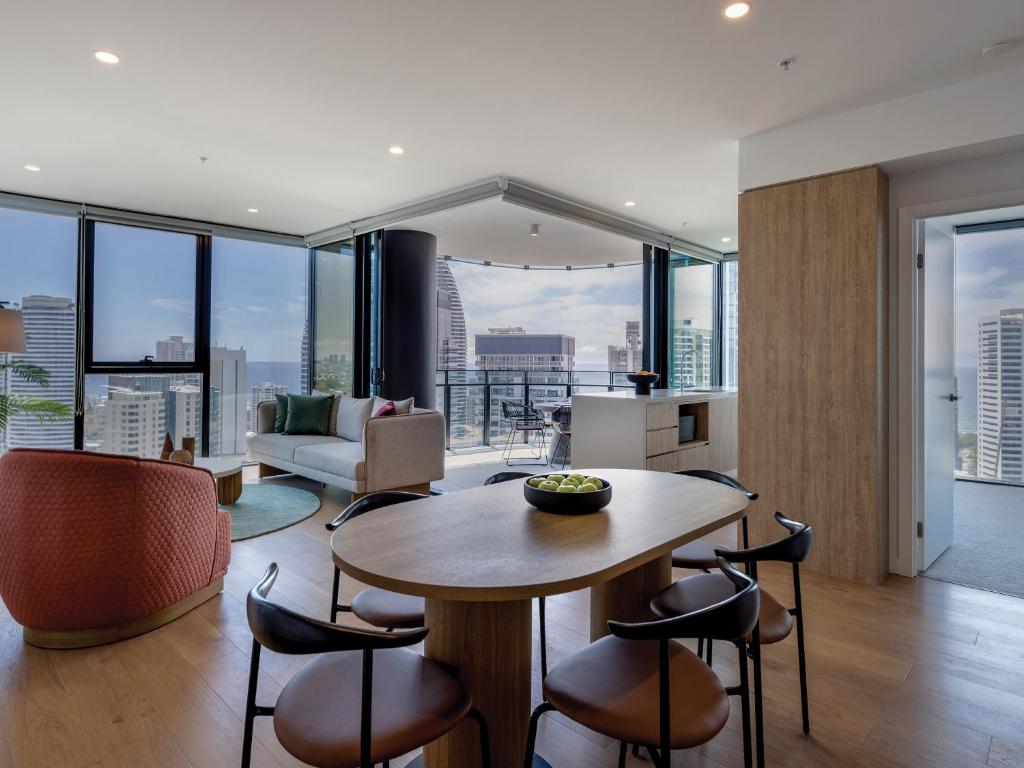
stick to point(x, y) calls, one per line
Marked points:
point(526, 419)
point(359, 507)
point(731, 619)
point(561, 421)
point(287, 632)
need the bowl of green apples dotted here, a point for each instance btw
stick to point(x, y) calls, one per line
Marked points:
point(567, 493)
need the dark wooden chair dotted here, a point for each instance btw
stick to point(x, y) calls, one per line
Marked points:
point(775, 622)
point(637, 686)
point(504, 477)
point(700, 555)
point(325, 715)
point(375, 606)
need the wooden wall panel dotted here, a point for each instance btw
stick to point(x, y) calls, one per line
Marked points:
point(812, 421)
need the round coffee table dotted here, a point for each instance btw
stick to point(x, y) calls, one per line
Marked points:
point(228, 474)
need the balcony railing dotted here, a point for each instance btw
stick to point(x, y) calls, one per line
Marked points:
point(471, 399)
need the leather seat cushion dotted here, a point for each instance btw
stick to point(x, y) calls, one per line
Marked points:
point(695, 554)
point(389, 609)
point(611, 686)
point(415, 700)
point(704, 589)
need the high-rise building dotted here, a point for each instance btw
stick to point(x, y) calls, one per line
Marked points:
point(228, 401)
point(134, 422)
point(691, 355)
point(184, 413)
point(628, 356)
point(730, 324)
point(266, 390)
point(174, 349)
point(1000, 395)
point(513, 349)
point(304, 361)
point(451, 320)
point(49, 343)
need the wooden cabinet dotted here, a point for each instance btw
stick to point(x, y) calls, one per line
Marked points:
point(662, 415)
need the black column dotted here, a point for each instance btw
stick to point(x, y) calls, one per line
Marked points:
point(656, 332)
point(408, 315)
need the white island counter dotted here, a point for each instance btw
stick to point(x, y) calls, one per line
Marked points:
point(668, 430)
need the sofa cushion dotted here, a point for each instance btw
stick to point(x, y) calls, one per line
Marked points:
point(402, 407)
point(338, 457)
point(308, 415)
point(281, 414)
point(353, 414)
point(283, 446)
point(332, 422)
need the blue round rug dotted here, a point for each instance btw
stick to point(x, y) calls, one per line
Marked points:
point(264, 509)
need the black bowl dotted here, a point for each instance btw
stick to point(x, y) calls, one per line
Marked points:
point(568, 503)
point(643, 381)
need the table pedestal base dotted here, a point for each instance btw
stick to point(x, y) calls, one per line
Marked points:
point(490, 645)
point(627, 597)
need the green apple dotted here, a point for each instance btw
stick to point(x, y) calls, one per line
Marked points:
point(556, 478)
point(535, 481)
point(595, 481)
point(588, 488)
point(567, 488)
point(577, 477)
point(548, 485)
point(570, 481)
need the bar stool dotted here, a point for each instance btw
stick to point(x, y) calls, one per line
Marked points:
point(375, 606)
point(699, 555)
point(504, 477)
point(637, 686)
point(325, 716)
point(775, 621)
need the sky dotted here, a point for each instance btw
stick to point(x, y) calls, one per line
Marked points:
point(989, 277)
point(145, 285)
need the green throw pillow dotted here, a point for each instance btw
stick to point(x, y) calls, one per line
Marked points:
point(308, 415)
point(281, 415)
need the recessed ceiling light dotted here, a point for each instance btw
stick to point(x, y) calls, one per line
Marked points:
point(994, 49)
point(535, 230)
point(254, 210)
point(396, 150)
point(726, 239)
point(736, 10)
point(32, 167)
point(107, 57)
point(630, 203)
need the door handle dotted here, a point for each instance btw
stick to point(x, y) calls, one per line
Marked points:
point(953, 397)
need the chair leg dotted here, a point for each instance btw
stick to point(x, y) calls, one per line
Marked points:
point(700, 647)
point(711, 645)
point(745, 704)
point(543, 640)
point(622, 754)
point(334, 594)
point(800, 649)
point(531, 735)
point(506, 451)
point(758, 703)
point(485, 737)
point(250, 704)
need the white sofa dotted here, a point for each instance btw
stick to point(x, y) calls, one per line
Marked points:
point(396, 452)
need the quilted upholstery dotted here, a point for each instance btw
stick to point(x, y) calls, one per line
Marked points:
point(90, 540)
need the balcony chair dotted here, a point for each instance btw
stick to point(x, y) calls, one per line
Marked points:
point(699, 555)
point(325, 715)
point(504, 477)
point(637, 686)
point(373, 605)
point(561, 422)
point(525, 419)
point(775, 622)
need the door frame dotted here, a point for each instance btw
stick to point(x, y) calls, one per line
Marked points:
point(906, 378)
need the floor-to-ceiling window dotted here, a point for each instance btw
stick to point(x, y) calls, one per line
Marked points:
point(144, 378)
point(334, 305)
point(730, 322)
point(692, 288)
point(39, 276)
point(259, 334)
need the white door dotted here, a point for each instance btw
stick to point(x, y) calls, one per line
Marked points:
point(935, 239)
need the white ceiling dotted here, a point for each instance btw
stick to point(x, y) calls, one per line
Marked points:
point(496, 231)
point(295, 104)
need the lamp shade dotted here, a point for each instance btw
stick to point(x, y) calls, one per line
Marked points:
point(12, 331)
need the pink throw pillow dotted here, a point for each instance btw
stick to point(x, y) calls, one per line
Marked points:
point(388, 409)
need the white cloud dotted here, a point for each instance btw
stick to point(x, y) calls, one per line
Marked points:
point(185, 306)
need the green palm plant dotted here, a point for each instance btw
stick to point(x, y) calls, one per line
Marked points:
point(46, 411)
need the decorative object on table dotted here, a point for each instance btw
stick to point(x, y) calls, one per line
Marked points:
point(572, 494)
point(168, 447)
point(12, 341)
point(181, 456)
point(189, 444)
point(642, 381)
point(265, 508)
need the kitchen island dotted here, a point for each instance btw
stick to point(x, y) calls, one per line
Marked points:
point(668, 430)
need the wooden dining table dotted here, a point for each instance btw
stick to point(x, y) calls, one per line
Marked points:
point(480, 556)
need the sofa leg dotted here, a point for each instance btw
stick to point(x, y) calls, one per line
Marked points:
point(421, 488)
point(268, 471)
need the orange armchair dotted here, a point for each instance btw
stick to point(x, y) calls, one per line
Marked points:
point(97, 548)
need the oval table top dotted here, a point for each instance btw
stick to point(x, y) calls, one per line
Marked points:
point(488, 544)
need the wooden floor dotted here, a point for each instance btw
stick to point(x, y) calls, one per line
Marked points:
point(917, 673)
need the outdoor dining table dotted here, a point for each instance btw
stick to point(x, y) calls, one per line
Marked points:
point(480, 556)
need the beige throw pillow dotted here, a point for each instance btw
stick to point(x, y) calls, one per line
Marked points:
point(353, 413)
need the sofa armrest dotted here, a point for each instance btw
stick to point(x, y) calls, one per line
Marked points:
point(404, 450)
point(266, 412)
